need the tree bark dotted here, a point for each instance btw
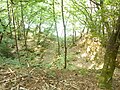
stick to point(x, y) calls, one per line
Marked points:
point(65, 40)
point(9, 19)
point(110, 57)
point(23, 26)
point(58, 41)
point(39, 27)
point(16, 42)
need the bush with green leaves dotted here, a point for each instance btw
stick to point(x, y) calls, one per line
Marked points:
point(5, 50)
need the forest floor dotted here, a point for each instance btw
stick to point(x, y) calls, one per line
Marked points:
point(81, 76)
point(39, 79)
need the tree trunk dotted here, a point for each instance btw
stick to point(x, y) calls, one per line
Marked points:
point(58, 41)
point(9, 19)
point(73, 37)
point(23, 27)
point(110, 57)
point(39, 27)
point(65, 40)
point(16, 42)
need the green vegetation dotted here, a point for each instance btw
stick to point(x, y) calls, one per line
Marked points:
point(59, 44)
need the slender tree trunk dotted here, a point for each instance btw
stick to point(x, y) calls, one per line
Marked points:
point(25, 37)
point(73, 36)
point(110, 57)
point(73, 32)
point(65, 40)
point(58, 42)
point(9, 18)
point(1, 37)
point(16, 43)
point(28, 29)
point(2, 33)
point(18, 31)
point(39, 27)
point(102, 18)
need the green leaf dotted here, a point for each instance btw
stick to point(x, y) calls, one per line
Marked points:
point(40, 0)
point(1, 30)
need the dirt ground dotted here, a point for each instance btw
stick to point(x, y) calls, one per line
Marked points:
point(39, 79)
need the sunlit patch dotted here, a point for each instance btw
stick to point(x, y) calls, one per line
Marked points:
point(88, 49)
point(84, 55)
point(100, 66)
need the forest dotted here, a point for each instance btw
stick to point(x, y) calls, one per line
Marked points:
point(59, 44)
